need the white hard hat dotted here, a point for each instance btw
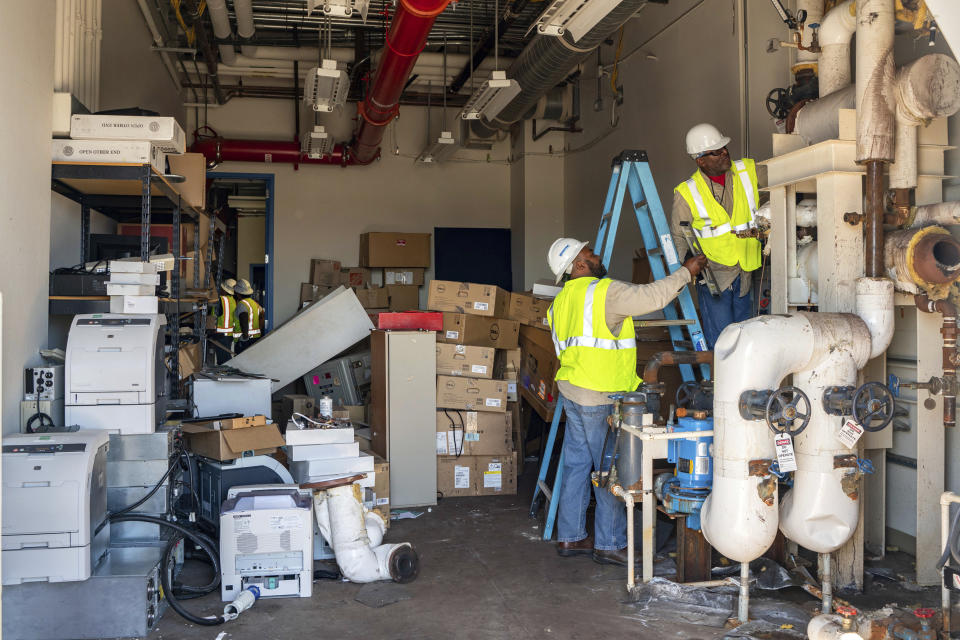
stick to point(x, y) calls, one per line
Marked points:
point(705, 137)
point(561, 255)
point(243, 287)
point(228, 285)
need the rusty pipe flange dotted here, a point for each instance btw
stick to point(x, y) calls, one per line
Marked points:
point(937, 257)
point(926, 259)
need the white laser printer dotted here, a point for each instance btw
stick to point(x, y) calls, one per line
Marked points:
point(55, 526)
point(115, 376)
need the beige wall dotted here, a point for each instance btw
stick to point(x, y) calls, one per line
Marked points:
point(251, 241)
point(320, 211)
point(694, 78)
point(26, 73)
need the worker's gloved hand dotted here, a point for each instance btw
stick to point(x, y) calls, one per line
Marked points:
point(695, 264)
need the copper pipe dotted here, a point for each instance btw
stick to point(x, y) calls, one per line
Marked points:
point(949, 332)
point(873, 220)
point(651, 371)
point(901, 206)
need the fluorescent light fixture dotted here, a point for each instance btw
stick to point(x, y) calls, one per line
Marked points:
point(576, 16)
point(439, 151)
point(491, 98)
point(326, 87)
point(317, 143)
point(343, 8)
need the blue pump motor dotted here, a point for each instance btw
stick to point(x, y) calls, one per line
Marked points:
point(685, 492)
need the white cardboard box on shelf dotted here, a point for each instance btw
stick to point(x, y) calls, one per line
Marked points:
point(134, 304)
point(133, 266)
point(164, 132)
point(338, 466)
point(133, 151)
point(295, 436)
point(130, 289)
point(299, 453)
point(120, 277)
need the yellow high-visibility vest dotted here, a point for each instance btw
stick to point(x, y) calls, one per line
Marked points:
point(227, 320)
point(590, 355)
point(254, 313)
point(714, 228)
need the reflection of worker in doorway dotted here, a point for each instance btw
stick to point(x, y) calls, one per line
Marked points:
point(719, 202)
point(249, 316)
point(226, 320)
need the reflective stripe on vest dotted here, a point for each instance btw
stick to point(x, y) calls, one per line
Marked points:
point(226, 321)
point(253, 318)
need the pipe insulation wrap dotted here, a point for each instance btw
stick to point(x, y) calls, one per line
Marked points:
point(356, 536)
point(925, 259)
point(740, 517)
point(876, 101)
point(818, 120)
point(836, 32)
point(939, 213)
point(546, 61)
point(222, 30)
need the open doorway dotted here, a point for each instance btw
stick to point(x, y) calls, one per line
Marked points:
point(245, 202)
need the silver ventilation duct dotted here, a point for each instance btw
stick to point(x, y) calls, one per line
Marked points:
point(546, 61)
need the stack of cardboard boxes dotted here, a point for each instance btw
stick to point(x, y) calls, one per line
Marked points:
point(389, 278)
point(538, 359)
point(477, 360)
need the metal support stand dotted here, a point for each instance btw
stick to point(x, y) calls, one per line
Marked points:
point(145, 204)
point(173, 319)
point(631, 172)
point(84, 232)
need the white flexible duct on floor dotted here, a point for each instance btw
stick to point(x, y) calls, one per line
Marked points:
point(356, 535)
point(821, 512)
point(740, 516)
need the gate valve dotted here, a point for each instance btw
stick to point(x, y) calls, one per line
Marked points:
point(785, 407)
point(873, 406)
point(848, 614)
point(753, 403)
point(838, 401)
point(925, 614)
point(695, 396)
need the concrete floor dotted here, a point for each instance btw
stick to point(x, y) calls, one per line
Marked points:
point(485, 573)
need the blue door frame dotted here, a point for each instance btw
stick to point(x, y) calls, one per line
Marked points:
point(268, 178)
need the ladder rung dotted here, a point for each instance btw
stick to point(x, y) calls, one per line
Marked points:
point(686, 344)
point(654, 252)
point(637, 205)
point(547, 491)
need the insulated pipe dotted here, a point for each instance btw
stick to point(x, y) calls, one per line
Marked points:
point(651, 372)
point(939, 213)
point(408, 33)
point(834, 36)
point(875, 82)
point(222, 30)
point(927, 88)
point(218, 150)
point(927, 258)
point(817, 120)
point(826, 584)
point(739, 517)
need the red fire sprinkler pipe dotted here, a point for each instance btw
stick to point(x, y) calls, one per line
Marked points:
point(405, 40)
point(218, 150)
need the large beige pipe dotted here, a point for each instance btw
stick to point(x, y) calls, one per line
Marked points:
point(875, 80)
point(836, 31)
point(814, 9)
point(927, 88)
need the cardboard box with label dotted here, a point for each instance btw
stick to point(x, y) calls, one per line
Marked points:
point(403, 275)
point(381, 487)
point(193, 167)
point(526, 309)
point(234, 438)
point(425, 320)
point(395, 249)
point(471, 394)
point(473, 433)
point(326, 272)
point(373, 298)
point(467, 297)
point(477, 475)
point(164, 132)
point(132, 151)
point(403, 297)
point(312, 292)
point(297, 403)
point(478, 331)
point(463, 360)
point(354, 276)
point(538, 370)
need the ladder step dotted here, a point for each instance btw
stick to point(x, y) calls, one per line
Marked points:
point(547, 491)
point(639, 205)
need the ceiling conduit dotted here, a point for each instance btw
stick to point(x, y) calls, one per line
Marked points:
point(405, 40)
point(547, 60)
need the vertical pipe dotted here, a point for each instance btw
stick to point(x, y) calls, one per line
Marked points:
point(873, 221)
point(648, 512)
point(826, 584)
point(945, 501)
point(743, 606)
point(875, 81)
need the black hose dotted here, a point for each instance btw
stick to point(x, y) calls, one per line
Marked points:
point(166, 574)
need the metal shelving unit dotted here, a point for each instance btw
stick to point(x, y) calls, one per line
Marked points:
point(137, 193)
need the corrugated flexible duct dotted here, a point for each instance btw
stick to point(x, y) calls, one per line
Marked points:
point(547, 60)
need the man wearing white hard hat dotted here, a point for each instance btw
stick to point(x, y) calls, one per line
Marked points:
point(719, 203)
point(594, 337)
point(249, 316)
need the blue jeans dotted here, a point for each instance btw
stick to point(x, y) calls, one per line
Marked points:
point(582, 444)
point(717, 313)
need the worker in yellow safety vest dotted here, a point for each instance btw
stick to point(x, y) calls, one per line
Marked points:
point(720, 202)
point(593, 334)
point(227, 312)
point(249, 316)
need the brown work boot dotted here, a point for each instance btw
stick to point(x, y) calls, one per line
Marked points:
point(579, 548)
point(618, 557)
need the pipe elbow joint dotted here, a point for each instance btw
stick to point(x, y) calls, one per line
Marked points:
point(874, 306)
point(838, 25)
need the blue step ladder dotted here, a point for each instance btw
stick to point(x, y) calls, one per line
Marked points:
point(631, 173)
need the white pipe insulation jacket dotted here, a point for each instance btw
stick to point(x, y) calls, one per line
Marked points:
point(814, 9)
point(740, 515)
point(356, 535)
point(822, 510)
point(876, 99)
point(939, 213)
point(222, 30)
point(836, 32)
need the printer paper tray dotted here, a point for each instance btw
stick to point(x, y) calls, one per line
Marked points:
point(41, 541)
point(106, 398)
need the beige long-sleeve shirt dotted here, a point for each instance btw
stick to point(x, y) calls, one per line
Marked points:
point(625, 300)
point(723, 194)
